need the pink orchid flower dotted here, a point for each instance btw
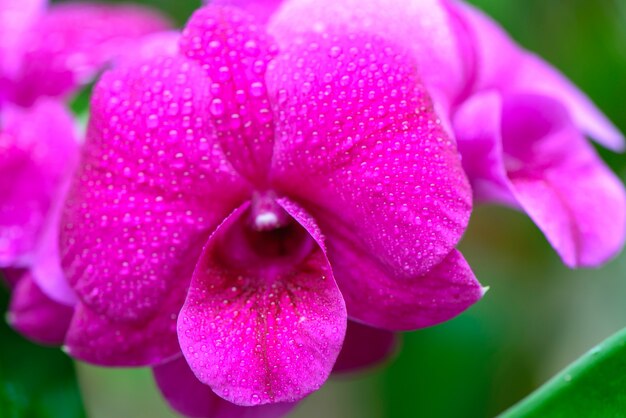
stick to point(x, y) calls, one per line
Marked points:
point(521, 131)
point(45, 54)
point(238, 201)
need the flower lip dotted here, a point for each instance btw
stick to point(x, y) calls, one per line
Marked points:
point(265, 239)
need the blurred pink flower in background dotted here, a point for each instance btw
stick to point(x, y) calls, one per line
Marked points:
point(239, 201)
point(522, 130)
point(46, 53)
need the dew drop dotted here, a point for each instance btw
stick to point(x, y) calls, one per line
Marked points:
point(217, 107)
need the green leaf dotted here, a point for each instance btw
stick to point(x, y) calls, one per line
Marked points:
point(593, 386)
point(35, 381)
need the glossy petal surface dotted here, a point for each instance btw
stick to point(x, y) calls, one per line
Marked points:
point(187, 395)
point(477, 124)
point(562, 183)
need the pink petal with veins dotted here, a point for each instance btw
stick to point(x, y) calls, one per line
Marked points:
point(263, 321)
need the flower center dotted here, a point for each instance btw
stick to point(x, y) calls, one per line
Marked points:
point(266, 214)
point(265, 239)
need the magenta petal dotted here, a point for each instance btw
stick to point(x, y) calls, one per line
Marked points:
point(561, 182)
point(538, 77)
point(38, 147)
point(72, 41)
point(46, 266)
point(153, 185)
point(376, 296)
point(234, 52)
point(423, 27)
point(351, 144)
point(36, 316)
point(266, 332)
point(524, 150)
point(364, 347)
point(187, 395)
point(99, 340)
point(478, 125)
point(505, 66)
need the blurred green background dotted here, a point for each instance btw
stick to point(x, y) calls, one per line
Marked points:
point(537, 317)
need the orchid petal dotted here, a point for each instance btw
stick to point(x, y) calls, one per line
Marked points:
point(97, 339)
point(357, 140)
point(364, 347)
point(152, 186)
point(477, 124)
point(36, 316)
point(377, 297)
point(532, 157)
point(262, 334)
point(505, 66)
point(562, 183)
point(37, 148)
point(46, 266)
point(190, 397)
point(70, 43)
point(234, 52)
